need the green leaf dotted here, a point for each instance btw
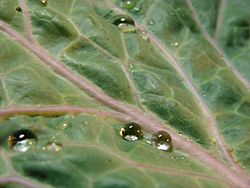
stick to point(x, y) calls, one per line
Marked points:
point(76, 72)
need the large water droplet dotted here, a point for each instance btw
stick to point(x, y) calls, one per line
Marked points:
point(125, 24)
point(22, 140)
point(128, 4)
point(131, 132)
point(19, 9)
point(44, 2)
point(162, 141)
point(54, 146)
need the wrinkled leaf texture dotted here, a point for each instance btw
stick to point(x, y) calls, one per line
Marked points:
point(187, 66)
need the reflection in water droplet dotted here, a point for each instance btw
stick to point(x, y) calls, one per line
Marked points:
point(125, 24)
point(162, 141)
point(131, 132)
point(128, 4)
point(54, 146)
point(44, 2)
point(22, 140)
point(150, 22)
point(19, 9)
point(175, 44)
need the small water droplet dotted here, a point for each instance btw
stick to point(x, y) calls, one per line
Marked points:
point(63, 126)
point(44, 2)
point(19, 9)
point(213, 141)
point(125, 24)
point(175, 44)
point(162, 141)
point(131, 132)
point(188, 140)
point(54, 146)
point(138, 9)
point(131, 66)
point(144, 36)
point(128, 4)
point(150, 22)
point(22, 140)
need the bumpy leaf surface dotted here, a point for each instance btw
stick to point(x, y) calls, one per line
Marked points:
point(74, 78)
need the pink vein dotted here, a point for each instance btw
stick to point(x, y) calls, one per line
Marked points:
point(58, 110)
point(27, 22)
point(149, 123)
point(220, 19)
point(20, 181)
point(148, 166)
point(205, 109)
point(215, 45)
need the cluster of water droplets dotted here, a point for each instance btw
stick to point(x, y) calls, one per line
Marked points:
point(23, 140)
point(160, 140)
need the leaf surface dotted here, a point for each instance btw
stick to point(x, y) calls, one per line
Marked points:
point(74, 78)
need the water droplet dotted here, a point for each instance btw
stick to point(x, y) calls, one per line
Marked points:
point(213, 141)
point(54, 146)
point(44, 2)
point(63, 126)
point(162, 141)
point(138, 9)
point(150, 22)
point(131, 132)
point(125, 24)
point(175, 44)
point(131, 66)
point(144, 36)
point(19, 9)
point(180, 133)
point(128, 4)
point(22, 140)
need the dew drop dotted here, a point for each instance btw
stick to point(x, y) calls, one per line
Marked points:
point(22, 140)
point(144, 36)
point(19, 9)
point(63, 126)
point(131, 132)
point(213, 141)
point(131, 66)
point(125, 24)
point(54, 146)
point(138, 9)
point(44, 2)
point(128, 4)
point(175, 44)
point(162, 141)
point(150, 22)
